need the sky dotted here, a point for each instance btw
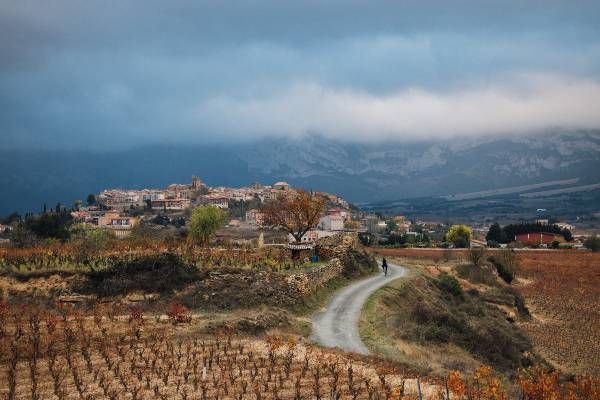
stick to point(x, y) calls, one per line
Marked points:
point(116, 73)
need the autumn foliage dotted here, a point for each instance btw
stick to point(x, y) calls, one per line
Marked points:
point(296, 212)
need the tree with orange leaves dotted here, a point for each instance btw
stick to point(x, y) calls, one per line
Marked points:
point(296, 213)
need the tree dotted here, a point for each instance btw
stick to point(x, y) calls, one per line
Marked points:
point(50, 225)
point(12, 218)
point(460, 235)
point(91, 199)
point(391, 226)
point(296, 213)
point(20, 236)
point(592, 243)
point(204, 223)
point(496, 234)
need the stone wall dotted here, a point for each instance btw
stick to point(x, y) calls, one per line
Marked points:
point(336, 246)
point(333, 249)
point(305, 283)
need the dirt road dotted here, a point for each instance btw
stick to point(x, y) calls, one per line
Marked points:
point(337, 325)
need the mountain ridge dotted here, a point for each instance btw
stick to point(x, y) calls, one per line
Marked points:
point(359, 172)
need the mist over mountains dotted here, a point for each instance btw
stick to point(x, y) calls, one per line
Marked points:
point(360, 172)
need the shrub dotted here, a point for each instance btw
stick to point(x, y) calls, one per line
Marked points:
point(449, 284)
point(592, 243)
point(476, 254)
point(477, 273)
point(179, 314)
point(503, 271)
point(358, 263)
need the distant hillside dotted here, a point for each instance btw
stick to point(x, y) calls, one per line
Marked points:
point(359, 172)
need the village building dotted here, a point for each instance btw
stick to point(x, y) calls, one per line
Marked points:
point(171, 204)
point(5, 228)
point(331, 223)
point(281, 186)
point(120, 225)
point(312, 236)
point(217, 201)
point(538, 238)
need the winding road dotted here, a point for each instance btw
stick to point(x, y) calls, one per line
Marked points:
point(337, 325)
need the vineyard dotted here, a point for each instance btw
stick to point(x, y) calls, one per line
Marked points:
point(66, 354)
point(564, 294)
point(71, 257)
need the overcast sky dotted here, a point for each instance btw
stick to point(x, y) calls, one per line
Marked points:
point(107, 74)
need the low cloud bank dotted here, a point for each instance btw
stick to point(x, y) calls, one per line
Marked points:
point(526, 104)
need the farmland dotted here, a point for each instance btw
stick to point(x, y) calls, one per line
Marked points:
point(112, 352)
point(563, 293)
point(65, 354)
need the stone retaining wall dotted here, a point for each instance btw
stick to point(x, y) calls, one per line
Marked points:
point(305, 283)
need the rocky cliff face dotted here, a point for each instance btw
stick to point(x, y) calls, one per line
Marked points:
point(367, 172)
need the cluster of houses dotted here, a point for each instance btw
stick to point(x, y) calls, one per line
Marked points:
point(114, 207)
point(116, 222)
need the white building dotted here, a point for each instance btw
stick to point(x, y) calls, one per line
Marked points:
point(331, 223)
point(281, 186)
point(312, 236)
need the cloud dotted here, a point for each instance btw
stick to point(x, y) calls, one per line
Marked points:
point(527, 104)
point(106, 74)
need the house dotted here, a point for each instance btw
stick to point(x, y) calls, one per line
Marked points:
point(281, 186)
point(255, 217)
point(171, 204)
point(538, 238)
point(331, 223)
point(115, 198)
point(217, 201)
point(564, 225)
point(312, 235)
point(5, 228)
point(120, 225)
point(338, 211)
point(152, 195)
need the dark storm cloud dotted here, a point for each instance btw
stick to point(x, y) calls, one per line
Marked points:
point(117, 73)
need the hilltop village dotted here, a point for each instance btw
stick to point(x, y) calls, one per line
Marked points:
point(121, 210)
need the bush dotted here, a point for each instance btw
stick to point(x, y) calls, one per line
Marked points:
point(161, 273)
point(449, 284)
point(477, 273)
point(476, 254)
point(503, 270)
point(358, 263)
point(592, 243)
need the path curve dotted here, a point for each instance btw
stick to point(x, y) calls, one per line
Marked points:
point(337, 325)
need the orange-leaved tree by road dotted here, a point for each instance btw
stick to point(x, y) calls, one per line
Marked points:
point(296, 212)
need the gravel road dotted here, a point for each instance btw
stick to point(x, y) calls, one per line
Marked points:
point(337, 325)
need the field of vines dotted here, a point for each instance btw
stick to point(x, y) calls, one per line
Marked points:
point(563, 291)
point(67, 354)
point(70, 256)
